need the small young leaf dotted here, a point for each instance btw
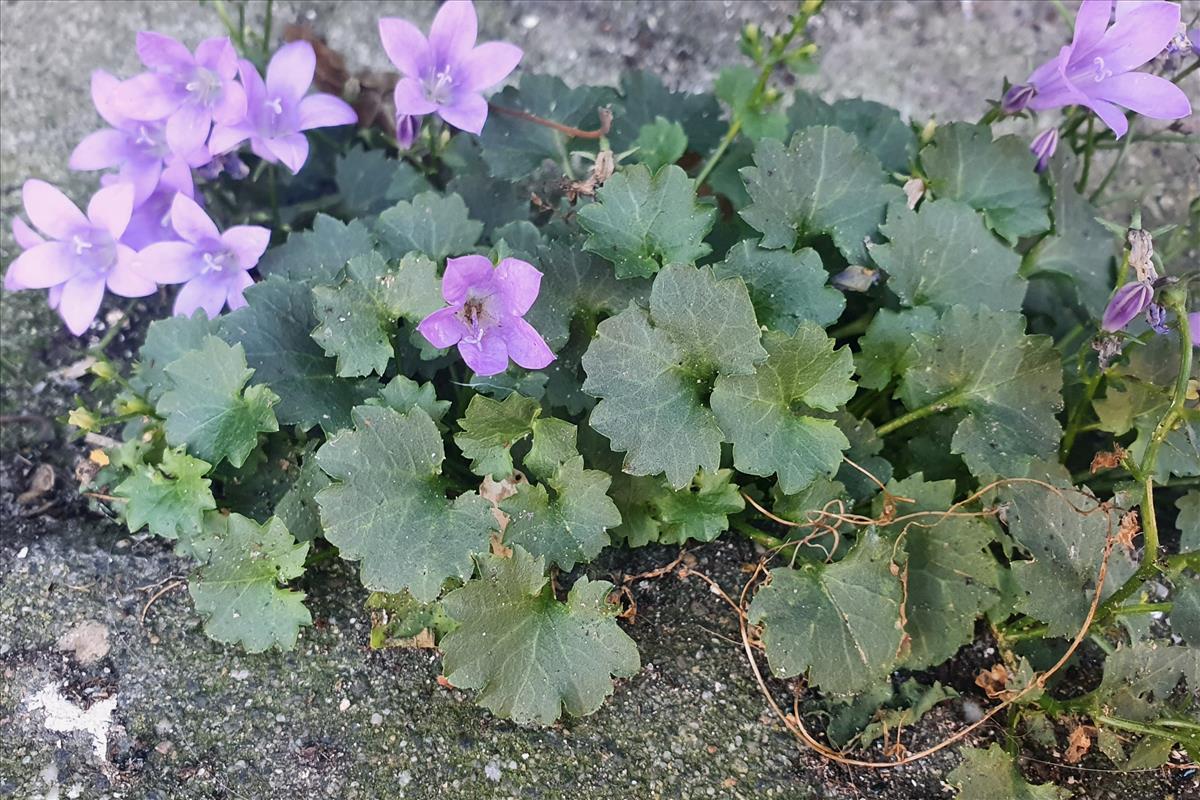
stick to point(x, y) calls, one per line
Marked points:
point(274, 328)
point(942, 255)
point(237, 589)
point(660, 143)
point(886, 347)
point(992, 774)
point(840, 622)
point(568, 524)
point(388, 508)
point(554, 444)
point(642, 222)
point(490, 429)
point(404, 394)
point(644, 99)
point(652, 368)
point(206, 408)
point(170, 499)
point(822, 183)
point(996, 178)
point(786, 288)
point(166, 340)
point(433, 225)
point(878, 128)
point(735, 86)
point(764, 414)
point(318, 255)
point(529, 654)
point(651, 511)
point(1008, 383)
point(357, 318)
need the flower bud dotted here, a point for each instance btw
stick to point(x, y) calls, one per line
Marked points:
point(1043, 147)
point(1017, 97)
point(1128, 301)
point(84, 420)
point(131, 406)
point(810, 7)
point(103, 370)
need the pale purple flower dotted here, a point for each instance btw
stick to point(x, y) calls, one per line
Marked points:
point(1016, 98)
point(212, 266)
point(137, 147)
point(277, 112)
point(1096, 69)
point(26, 237)
point(1043, 147)
point(189, 91)
point(81, 255)
point(1127, 302)
point(1194, 327)
point(230, 164)
point(407, 127)
point(485, 314)
point(151, 221)
point(446, 73)
point(1156, 318)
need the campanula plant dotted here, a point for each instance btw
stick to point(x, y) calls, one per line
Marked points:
point(471, 330)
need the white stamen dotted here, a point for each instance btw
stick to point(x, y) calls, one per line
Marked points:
point(80, 245)
point(275, 105)
point(1101, 71)
point(144, 137)
point(213, 262)
point(437, 90)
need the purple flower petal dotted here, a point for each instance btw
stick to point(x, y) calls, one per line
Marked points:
point(405, 46)
point(1110, 115)
point(124, 279)
point(464, 272)
point(292, 150)
point(25, 236)
point(290, 72)
point(54, 296)
point(143, 173)
point(443, 328)
point(226, 137)
point(104, 85)
point(410, 98)
point(111, 207)
point(407, 127)
point(519, 283)
point(453, 32)
point(100, 150)
point(200, 292)
point(218, 55)
point(50, 210)
point(1194, 328)
point(42, 266)
point(1137, 37)
point(80, 300)
point(1148, 95)
point(486, 65)
point(248, 243)
point(237, 285)
point(1043, 148)
point(190, 222)
point(159, 51)
point(187, 130)
point(325, 111)
point(488, 356)
point(525, 344)
point(148, 96)
point(1126, 303)
point(468, 113)
point(230, 109)
point(1091, 21)
point(168, 262)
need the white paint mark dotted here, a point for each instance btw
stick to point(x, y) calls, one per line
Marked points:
point(63, 716)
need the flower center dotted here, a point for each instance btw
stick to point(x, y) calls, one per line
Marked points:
point(81, 245)
point(205, 86)
point(275, 104)
point(477, 319)
point(1101, 72)
point(439, 86)
point(95, 250)
point(215, 261)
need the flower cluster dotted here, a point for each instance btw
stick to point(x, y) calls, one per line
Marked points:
point(145, 227)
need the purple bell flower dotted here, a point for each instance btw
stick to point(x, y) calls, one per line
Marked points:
point(151, 221)
point(137, 147)
point(446, 73)
point(277, 111)
point(81, 255)
point(1096, 69)
point(212, 266)
point(1127, 302)
point(407, 127)
point(189, 91)
point(485, 315)
point(1043, 147)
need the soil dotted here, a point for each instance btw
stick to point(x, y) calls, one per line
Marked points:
point(195, 719)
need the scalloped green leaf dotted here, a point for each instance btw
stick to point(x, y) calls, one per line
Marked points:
point(237, 588)
point(316, 256)
point(169, 499)
point(878, 128)
point(430, 224)
point(554, 444)
point(823, 183)
point(642, 222)
point(660, 143)
point(785, 288)
point(274, 329)
point(996, 178)
point(358, 318)
point(166, 340)
point(531, 656)
point(652, 369)
point(210, 410)
point(368, 181)
point(564, 520)
point(839, 623)
point(514, 148)
point(885, 348)
point(765, 414)
point(992, 774)
point(403, 394)
point(651, 511)
point(1008, 384)
point(1189, 522)
point(942, 255)
point(387, 507)
point(644, 99)
point(1140, 678)
point(491, 427)
point(298, 509)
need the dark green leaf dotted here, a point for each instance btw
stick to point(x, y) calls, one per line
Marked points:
point(878, 128)
point(885, 349)
point(489, 430)
point(404, 394)
point(823, 183)
point(169, 499)
point(992, 774)
point(786, 288)
point(368, 181)
point(642, 222)
point(553, 445)
point(388, 509)
point(298, 509)
point(530, 655)
point(660, 143)
point(166, 340)
point(1185, 613)
point(318, 255)
point(651, 511)
point(433, 225)
point(644, 99)
point(1189, 523)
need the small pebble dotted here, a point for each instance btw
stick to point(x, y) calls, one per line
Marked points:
point(377, 718)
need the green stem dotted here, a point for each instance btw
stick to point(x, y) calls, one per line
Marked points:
point(1089, 151)
point(936, 407)
point(1077, 414)
point(709, 165)
point(852, 328)
point(113, 329)
point(1133, 727)
point(1112, 170)
point(1157, 138)
point(755, 535)
point(234, 33)
point(266, 43)
point(1039, 631)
